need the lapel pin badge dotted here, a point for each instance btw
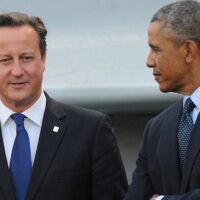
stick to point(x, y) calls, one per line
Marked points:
point(55, 129)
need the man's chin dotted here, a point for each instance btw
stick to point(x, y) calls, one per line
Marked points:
point(15, 99)
point(164, 89)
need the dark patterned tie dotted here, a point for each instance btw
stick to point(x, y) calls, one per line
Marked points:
point(185, 128)
point(20, 164)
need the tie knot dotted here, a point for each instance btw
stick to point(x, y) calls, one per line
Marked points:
point(18, 118)
point(189, 106)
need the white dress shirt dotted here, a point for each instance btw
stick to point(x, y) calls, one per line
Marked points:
point(32, 123)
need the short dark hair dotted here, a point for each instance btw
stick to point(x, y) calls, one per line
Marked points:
point(181, 21)
point(15, 19)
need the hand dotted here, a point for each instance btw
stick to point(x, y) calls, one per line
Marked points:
point(154, 196)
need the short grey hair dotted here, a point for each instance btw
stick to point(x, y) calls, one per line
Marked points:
point(181, 21)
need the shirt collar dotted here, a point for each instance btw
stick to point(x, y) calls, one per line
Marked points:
point(195, 97)
point(4, 113)
point(34, 113)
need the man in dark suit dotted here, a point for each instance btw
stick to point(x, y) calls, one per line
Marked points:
point(48, 150)
point(168, 164)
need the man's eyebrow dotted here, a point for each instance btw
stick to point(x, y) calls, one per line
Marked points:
point(155, 47)
point(152, 45)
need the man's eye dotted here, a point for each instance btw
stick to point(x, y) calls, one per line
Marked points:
point(27, 58)
point(5, 61)
point(156, 49)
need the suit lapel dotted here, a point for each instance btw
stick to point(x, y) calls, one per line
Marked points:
point(169, 149)
point(50, 140)
point(192, 152)
point(6, 186)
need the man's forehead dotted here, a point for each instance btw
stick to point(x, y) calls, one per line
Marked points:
point(17, 33)
point(26, 29)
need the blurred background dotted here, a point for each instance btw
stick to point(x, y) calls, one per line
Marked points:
point(96, 58)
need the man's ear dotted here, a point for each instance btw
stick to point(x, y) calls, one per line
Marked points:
point(191, 50)
point(44, 60)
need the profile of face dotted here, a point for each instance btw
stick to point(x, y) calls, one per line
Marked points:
point(21, 67)
point(167, 60)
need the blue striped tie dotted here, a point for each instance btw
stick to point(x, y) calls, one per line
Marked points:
point(185, 128)
point(20, 164)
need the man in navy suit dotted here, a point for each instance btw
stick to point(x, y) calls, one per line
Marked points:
point(168, 164)
point(73, 153)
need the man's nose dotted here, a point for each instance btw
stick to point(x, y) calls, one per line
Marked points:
point(17, 69)
point(150, 62)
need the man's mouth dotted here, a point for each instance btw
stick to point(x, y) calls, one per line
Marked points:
point(17, 84)
point(157, 76)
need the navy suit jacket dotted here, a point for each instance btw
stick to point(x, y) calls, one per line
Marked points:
point(157, 167)
point(79, 162)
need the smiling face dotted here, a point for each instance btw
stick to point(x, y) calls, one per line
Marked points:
point(168, 61)
point(21, 67)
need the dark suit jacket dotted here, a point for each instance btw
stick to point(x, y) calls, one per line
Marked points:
point(157, 168)
point(79, 162)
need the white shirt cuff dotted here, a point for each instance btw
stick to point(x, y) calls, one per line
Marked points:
point(159, 197)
